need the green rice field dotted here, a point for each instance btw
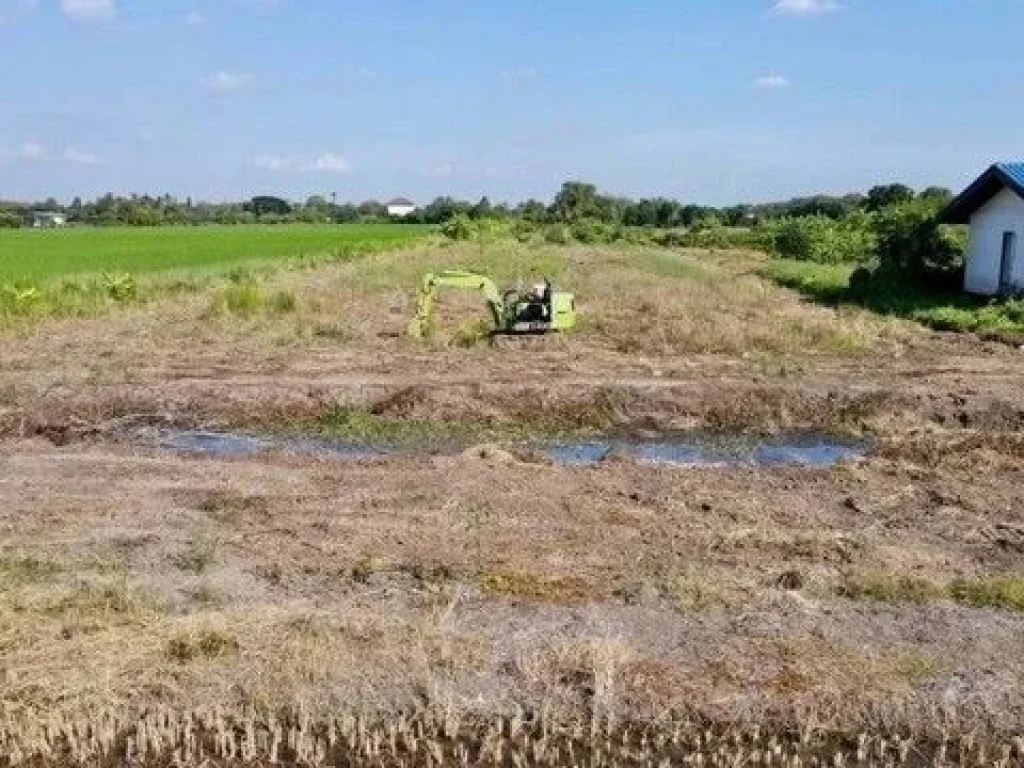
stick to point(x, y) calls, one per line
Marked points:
point(40, 256)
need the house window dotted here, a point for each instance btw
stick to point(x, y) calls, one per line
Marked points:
point(1006, 264)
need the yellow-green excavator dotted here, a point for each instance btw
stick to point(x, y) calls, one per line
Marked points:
point(538, 310)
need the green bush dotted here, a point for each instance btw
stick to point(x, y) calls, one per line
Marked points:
point(458, 227)
point(594, 231)
point(913, 245)
point(557, 234)
point(821, 239)
point(9, 220)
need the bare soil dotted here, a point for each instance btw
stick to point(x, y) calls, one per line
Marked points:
point(489, 580)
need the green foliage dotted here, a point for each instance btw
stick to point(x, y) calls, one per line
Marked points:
point(594, 231)
point(912, 245)
point(9, 220)
point(575, 201)
point(120, 286)
point(821, 239)
point(887, 195)
point(458, 227)
point(244, 299)
point(557, 234)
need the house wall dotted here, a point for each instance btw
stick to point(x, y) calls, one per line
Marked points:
point(1003, 213)
point(401, 210)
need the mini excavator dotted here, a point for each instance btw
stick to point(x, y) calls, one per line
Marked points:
point(515, 312)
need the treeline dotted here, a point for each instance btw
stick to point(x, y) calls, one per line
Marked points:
point(575, 202)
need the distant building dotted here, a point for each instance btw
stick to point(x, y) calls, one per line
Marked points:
point(993, 206)
point(401, 207)
point(48, 219)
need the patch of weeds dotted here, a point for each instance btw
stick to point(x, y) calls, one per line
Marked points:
point(23, 570)
point(913, 667)
point(208, 644)
point(284, 302)
point(890, 588)
point(332, 331)
point(198, 555)
point(472, 333)
point(113, 599)
point(1004, 592)
point(230, 507)
point(242, 298)
point(670, 264)
point(365, 567)
point(120, 286)
point(534, 587)
point(692, 591)
point(364, 425)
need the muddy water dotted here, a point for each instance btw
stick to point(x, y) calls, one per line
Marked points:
point(696, 449)
point(715, 450)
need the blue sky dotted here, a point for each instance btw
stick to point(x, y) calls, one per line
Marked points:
point(711, 101)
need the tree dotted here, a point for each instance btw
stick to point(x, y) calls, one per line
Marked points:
point(886, 195)
point(941, 194)
point(267, 204)
point(576, 200)
point(912, 245)
point(533, 210)
point(482, 210)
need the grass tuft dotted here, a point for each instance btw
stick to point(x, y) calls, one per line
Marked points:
point(198, 555)
point(1004, 592)
point(890, 588)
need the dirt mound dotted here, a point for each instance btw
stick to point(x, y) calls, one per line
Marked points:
point(490, 452)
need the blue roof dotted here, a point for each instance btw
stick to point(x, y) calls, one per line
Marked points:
point(998, 177)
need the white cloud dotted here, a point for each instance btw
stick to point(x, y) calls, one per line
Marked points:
point(31, 150)
point(771, 82)
point(89, 10)
point(226, 82)
point(74, 155)
point(330, 162)
point(196, 19)
point(272, 163)
point(805, 7)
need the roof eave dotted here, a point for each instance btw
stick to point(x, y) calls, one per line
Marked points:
point(970, 201)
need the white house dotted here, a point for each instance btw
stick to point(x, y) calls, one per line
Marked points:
point(48, 219)
point(993, 206)
point(401, 207)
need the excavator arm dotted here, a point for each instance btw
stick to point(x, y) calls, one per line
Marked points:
point(420, 324)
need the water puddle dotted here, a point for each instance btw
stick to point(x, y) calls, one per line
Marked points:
point(700, 449)
point(695, 449)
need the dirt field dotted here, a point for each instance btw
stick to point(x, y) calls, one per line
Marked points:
point(878, 600)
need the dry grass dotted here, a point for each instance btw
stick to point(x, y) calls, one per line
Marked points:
point(444, 737)
point(488, 607)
